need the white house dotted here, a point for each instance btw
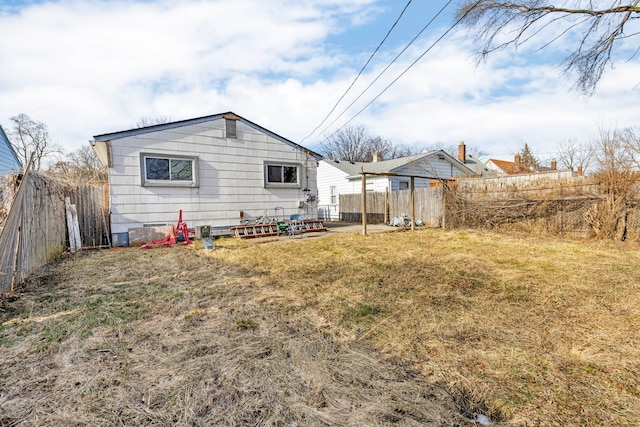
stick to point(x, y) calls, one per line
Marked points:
point(337, 177)
point(9, 161)
point(217, 169)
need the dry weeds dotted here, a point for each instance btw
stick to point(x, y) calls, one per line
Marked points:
point(528, 331)
point(173, 337)
point(533, 331)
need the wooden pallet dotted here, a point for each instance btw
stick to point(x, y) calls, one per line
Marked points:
point(266, 230)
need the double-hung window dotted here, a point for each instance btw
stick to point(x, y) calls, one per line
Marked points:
point(163, 170)
point(286, 175)
point(333, 193)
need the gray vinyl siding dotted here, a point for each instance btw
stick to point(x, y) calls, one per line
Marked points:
point(8, 161)
point(430, 166)
point(230, 177)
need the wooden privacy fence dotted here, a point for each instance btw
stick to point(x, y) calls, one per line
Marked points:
point(427, 202)
point(92, 205)
point(428, 206)
point(351, 207)
point(35, 231)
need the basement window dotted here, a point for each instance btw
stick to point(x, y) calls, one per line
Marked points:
point(281, 175)
point(173, 171)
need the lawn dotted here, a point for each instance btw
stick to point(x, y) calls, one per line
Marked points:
point(424, 328)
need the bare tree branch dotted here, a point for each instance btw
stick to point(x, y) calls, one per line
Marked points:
point(144, 122)
point(572, 154)
point(355, 144)
point(30, 136)
point(81, 167)
point(600, 30)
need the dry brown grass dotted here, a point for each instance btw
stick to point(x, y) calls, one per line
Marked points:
point(173, 337)
point(529, 331)
point(535, 331)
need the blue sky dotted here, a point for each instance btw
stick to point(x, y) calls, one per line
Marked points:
point(91, 67)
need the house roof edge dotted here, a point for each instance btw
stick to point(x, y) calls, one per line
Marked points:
point(172, 125)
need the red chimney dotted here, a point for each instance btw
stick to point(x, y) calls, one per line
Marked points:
point(554, 165)
point(462, 152)
point(580, 170)
point(517, 159)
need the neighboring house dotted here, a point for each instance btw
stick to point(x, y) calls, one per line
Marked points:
point(343, 177)
point(218, 169)
point(9, 161)
point(505, 167)
point(472, 162)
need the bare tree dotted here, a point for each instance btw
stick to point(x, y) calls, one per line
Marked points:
point(356, 144)
point(144, 122)
point(30, 136)
point(348, 144)
point(82, 167)
point(632, 142)
point(617, 175)
point(402, 150)
point(572, 154)
point(599, 29)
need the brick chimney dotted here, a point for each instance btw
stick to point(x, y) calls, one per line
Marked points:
point(516, 159)
point(580, 170)
point(554, 165)
point(462, 152)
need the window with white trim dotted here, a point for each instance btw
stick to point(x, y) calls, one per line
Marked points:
point(162, 170)
point(286, 175)
point(333, 192)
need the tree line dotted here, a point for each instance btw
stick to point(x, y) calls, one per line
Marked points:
point(357, 143)
point(31, 141)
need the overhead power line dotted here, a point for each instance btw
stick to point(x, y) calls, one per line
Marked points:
point(405, 70)
point(360, 72)
point(390, 64)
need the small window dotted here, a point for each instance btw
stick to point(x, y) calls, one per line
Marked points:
point(370, 186)
point(159, 170)
point(334, 194)
point(403, 185)
point(282, 175)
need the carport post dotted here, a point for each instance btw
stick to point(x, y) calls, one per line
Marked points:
point(386, 205)
point(364, 203)
point(413, 204)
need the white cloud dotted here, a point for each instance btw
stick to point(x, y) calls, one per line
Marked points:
point(86, 68)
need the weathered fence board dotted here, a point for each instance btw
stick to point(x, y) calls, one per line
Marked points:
point(92, 204)
point(428, 206)
point(35, 230)
point(351, 207)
